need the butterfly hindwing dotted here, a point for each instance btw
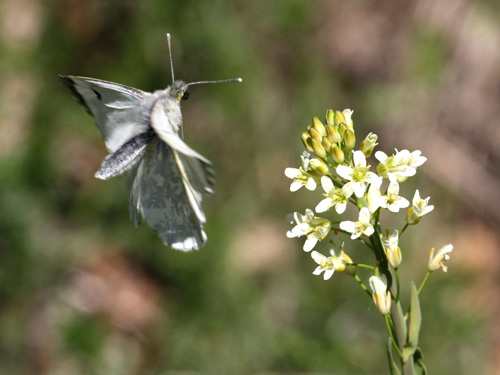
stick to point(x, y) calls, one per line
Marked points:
point(158, 193)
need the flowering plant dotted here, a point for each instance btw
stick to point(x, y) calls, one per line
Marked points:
point(332, 162)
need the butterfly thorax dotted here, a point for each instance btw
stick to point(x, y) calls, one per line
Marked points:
point(165, 106)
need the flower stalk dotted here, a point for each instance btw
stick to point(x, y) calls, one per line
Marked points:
point(347, 178)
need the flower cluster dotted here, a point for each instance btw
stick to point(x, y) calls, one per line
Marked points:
point(332, 162)
point(345, 176)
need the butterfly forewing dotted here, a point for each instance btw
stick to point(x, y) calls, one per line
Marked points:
point(117, 109)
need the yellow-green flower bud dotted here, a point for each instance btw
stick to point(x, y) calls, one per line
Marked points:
point(330, 117)
point(307, 141)
point(349, 139)
point(342, 129)
point(349, 269)
point(318, 125)
point(315, 134)
point(318, 167)
point(333, 134)
point(339, 118)
point(368, 144)
point(318, 148)
point(326, 144)
point(411, 217)
point(337, 154)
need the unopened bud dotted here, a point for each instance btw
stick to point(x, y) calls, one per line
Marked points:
point(342, 129)
point(318, 166)
point(337, 154)
point(339, 118)
point(326, 144)
point(368, 144)
point(318, 148)
point(307, 141)
point(333, 134)
point(318, 125)
point(330, 117)
point(315, 134)
point(349, 139)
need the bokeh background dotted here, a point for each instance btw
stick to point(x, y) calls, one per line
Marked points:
point(83, 292)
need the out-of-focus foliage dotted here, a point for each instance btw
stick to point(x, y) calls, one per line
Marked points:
point(83, 292)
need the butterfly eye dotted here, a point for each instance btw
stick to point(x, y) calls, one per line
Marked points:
point(185, 96)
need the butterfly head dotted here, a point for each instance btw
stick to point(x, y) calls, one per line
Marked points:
point(180, 90)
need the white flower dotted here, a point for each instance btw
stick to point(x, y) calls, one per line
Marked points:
point(392, 250)
point(419, 208)
point(437, 260)
point(303, 175)
point(348, 117)
point(362, 226)
point(395, 166)
point(359, 176)
point(334, 196)
point(314, 228)
point(415, 159)
point(330, 264)
point(381, 296)
point(392, 201)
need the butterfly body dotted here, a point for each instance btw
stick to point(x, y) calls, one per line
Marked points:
point(166, 178)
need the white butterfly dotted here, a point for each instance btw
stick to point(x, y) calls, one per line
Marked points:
point(143, 134)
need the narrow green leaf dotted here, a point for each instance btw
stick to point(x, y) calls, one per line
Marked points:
point(392, 364)
point(415, 323)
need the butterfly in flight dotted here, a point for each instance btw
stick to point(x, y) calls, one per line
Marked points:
point(142, 131)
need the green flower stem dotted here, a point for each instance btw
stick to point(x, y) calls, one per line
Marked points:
point(367, 244)
point(403, 230)
point(424, 281)
point(390, 329)
point(397, 285)
point(362, 265)
point(363, 286)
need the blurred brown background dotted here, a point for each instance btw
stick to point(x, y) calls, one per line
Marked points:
point(83, 292)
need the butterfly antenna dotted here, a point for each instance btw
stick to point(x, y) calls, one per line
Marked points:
point(218, 81)
point(170, 55)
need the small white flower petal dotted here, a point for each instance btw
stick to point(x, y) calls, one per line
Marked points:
point(359, 189)
point(381, 156)
point(310, 243)
point(327, 184)
point(295, 185)
point(340, 207)
point(292, 172)
point(364, 215)
point(328, 273)
point(359, 159)
point(348, 226)
point(369, 231)
point(344, 172)
point(311, 184)
point(324, 205)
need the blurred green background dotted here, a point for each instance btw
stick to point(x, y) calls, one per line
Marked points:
point(83, 292)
